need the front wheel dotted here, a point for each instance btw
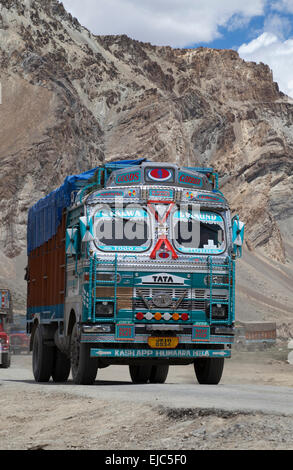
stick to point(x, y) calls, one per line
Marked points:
point(159, 374)
point(140, 374)
point(209, 371)
point(83, 367)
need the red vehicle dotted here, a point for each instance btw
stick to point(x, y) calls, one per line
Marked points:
point(6, 318)
point(19, 341)
point(5, 353)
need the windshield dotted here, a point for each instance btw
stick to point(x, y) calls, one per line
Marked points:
point(198, 232)
point(122, 229)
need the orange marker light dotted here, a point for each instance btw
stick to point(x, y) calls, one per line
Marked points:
point(175, 316)
point(158, 316)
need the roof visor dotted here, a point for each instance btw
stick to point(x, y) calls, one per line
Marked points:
point(160, 174)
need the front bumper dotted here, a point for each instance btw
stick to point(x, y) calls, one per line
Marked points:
point(160, 353)
point(128, 341)
point(142, 339)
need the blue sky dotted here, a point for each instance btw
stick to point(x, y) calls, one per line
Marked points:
point(275, 21)
point(260, 30)
point(233, 39)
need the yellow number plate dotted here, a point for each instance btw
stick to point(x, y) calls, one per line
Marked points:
point(163, 342)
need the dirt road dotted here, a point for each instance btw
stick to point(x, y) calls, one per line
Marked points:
point(252, 408)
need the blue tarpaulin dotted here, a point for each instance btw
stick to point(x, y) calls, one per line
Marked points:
point(45, 216)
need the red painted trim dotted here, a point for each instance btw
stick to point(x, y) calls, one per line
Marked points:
point(163, 240)
point(167, 213)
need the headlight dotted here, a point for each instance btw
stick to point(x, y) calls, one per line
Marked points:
point(219, 312)
point(104, 309)
point(217, 279)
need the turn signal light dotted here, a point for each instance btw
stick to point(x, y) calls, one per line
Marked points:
point(158, 316)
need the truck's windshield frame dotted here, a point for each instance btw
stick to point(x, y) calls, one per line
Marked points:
point(204, 232)
point(127, 228)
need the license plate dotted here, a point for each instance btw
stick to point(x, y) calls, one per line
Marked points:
point(163, 342)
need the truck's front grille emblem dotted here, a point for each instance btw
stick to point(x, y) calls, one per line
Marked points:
point(162, 300)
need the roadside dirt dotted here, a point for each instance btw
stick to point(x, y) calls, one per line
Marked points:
point(34, 419)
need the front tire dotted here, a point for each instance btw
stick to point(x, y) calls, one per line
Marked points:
point(83, 367)
point(159, 374)
point(43, 357)
point(140, 374)
point(209, 371)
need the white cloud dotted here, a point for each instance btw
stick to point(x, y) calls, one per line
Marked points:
point(284, 6)
point(177, 23)
point(275, 52)
point(182, 23)
point(260, 43)
point(278, 25)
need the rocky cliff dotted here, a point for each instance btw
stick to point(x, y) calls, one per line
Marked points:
point(71, 100)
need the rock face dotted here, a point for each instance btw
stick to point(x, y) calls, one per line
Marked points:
point(71, 100)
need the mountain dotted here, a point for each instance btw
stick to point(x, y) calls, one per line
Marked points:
point(71, 100)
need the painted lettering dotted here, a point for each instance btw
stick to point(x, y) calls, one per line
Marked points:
point(163, 279)
point(128, 177)
point(188, 179)
point(125, 331)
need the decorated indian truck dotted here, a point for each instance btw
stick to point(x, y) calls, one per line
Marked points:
point(132, 263)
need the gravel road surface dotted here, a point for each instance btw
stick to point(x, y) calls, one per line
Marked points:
point(252, 408)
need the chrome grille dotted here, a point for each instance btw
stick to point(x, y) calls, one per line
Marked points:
point(194, 299)
point(198, 299)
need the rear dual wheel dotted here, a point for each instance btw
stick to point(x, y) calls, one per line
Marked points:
point(43, 357)
point(48, 361)
point(61, 367)
point(142, 374)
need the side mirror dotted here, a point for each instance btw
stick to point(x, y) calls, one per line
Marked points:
point(71, 241)
point(86, 229)
point(237, 236)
